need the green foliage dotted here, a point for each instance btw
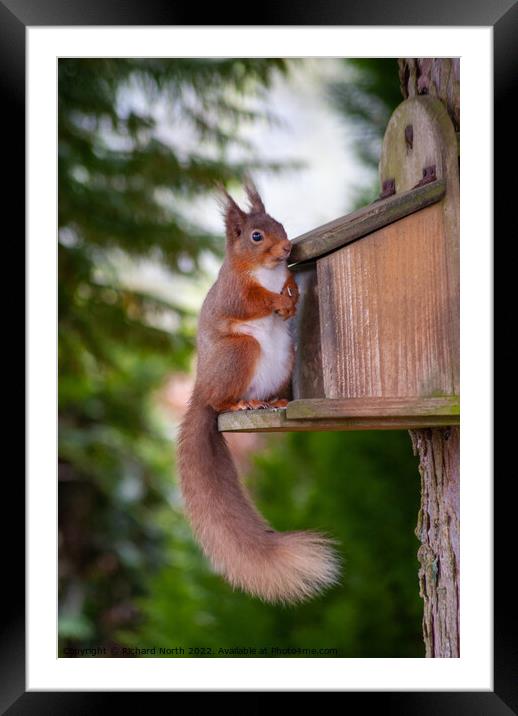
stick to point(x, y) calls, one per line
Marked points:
point(362, 488)
point(121, 183)
point(118, 178)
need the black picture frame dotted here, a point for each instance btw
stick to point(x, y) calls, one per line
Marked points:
point(15, 17)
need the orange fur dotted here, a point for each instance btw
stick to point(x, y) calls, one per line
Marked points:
point(284, 567)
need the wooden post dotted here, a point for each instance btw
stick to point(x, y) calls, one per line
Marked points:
point(438, 448)
point(438, 530)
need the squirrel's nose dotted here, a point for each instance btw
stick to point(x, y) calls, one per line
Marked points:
point(287, 248)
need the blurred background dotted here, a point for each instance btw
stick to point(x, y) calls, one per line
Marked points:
point(141, 142)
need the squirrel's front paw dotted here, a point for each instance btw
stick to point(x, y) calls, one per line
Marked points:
point(291, 290)
point(287, 307)
point(287, 312)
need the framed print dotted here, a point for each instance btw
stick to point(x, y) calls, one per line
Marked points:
point(63, 67)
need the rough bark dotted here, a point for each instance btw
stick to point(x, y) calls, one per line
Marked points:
point(438, 448)
point(437, 77)
point(438, 530)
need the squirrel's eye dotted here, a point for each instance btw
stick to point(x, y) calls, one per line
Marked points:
point(256, 236)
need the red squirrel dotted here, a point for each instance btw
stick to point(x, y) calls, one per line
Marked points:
point(245, 361)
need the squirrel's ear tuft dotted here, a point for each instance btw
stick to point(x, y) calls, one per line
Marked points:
point(234, 217)
point(256, 203)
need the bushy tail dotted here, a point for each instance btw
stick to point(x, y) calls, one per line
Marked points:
point(274, 566)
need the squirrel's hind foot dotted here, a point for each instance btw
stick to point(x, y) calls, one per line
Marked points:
point(254, 405)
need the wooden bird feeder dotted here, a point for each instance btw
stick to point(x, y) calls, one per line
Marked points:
point(377, 337)
point(377, 326)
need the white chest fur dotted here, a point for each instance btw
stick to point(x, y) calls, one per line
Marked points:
point(272, 278)
point(274, 364)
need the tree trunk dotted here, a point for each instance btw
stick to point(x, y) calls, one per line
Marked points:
point(438, 530)
point(436, 77)
point(438, 448)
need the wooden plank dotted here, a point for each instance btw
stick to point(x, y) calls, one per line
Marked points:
point(252, 420)
point(320, 415)
point(253, 424)
point(373, 407)
point(308, 378)
point(385, 314)
point(350, 227)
